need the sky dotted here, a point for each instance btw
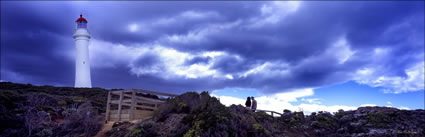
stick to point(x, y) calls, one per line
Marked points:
point(297, 55)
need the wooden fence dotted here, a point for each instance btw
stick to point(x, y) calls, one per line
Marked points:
point(272, 112)
point(127, 105)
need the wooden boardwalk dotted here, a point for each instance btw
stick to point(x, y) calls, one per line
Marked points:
point(128, 105)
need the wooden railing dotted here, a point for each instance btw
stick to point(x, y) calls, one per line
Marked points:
point(272, 112)
point(132, 106)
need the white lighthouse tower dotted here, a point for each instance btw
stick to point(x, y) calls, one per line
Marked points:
point(82, 63)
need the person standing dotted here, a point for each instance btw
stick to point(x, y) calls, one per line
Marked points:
point(248, 103)
point(254, 104)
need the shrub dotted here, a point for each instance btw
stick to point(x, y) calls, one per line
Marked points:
point(379, 120)
point(9, 99)
point(34, 119)
point(81, 121)
point(147, 129)
point(41, 99)
point(339, 114)
point(326, 120)
point(189, 133)
point(46, 132)
point(181, 104)
point(136, 132)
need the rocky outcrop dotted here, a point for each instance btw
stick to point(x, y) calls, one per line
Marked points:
point(194, 114)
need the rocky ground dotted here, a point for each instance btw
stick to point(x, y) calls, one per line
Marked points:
point(45, 111)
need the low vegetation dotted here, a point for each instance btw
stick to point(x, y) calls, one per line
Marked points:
point(45, 111)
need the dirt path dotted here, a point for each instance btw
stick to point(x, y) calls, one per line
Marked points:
point(106, 127)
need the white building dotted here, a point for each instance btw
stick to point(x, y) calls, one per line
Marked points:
point(82, 63)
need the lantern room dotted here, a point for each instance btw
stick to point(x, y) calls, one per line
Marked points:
point(81, 22)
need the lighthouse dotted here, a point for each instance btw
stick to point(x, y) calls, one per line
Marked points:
point(82, 63)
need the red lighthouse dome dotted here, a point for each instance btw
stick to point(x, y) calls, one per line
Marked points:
point(81, 19)
point(81, 22)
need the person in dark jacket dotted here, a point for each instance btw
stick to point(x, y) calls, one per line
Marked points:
point(248, 102)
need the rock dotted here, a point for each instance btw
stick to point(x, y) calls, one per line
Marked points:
point(346, 118)
point(362, 122)
point(116, 124)
point(378, 131)
point(315, 124)
point(341, 130)
point(359, 114)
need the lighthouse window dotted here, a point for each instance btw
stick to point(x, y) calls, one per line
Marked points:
point(81, 25)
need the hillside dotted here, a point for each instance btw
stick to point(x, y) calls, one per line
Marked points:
point(50, 111)
point(201, 115)
point(46, 111)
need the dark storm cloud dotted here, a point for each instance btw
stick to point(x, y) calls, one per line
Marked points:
point(312, 29)
point(34, 39)
point(38, 16)
point(148, 13)
point(298, 36)
point(231, 64)
point(146, 61)
point(198, 60)
point(32, 54)
point(120, 78)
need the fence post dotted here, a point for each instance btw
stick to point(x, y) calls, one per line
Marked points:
point(133, 103)
point(108, 106)
point(119, 105)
